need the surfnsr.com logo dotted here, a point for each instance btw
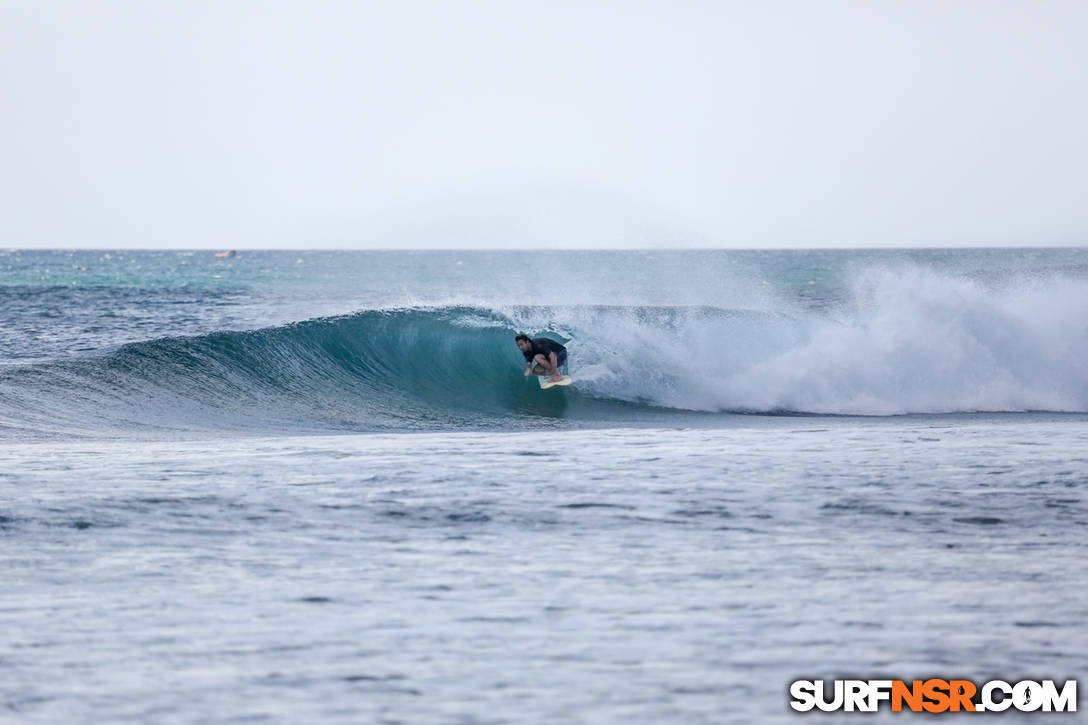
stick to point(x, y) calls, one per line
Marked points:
point(933, 695)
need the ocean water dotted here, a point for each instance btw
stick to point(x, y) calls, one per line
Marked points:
point(316, 487)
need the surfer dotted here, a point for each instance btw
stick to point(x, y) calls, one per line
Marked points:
point(548, 355)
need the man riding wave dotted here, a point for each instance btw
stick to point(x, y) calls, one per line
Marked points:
point(542, 356)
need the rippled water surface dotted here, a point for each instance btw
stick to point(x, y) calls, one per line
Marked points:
point(601, 576)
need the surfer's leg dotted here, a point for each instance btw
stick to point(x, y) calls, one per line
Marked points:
point(553, 368)
point(544, 365)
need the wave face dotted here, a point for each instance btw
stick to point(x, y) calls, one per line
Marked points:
point(370, 370)
point(374, 370)
point(910, 341)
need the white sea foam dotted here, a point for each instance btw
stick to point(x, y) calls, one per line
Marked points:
point(909, 340)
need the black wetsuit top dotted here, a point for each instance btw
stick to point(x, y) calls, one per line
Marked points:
point(544, 346)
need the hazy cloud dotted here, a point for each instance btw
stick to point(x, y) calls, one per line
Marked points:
point(480, 124)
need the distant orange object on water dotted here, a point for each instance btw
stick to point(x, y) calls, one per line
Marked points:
point(228, 253)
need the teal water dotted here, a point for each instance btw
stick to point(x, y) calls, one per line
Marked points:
point(386, 340)
point(316, 487)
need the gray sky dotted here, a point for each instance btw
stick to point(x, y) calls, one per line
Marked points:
point(511, 124)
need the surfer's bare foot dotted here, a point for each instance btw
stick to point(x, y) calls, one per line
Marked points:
point(556, 378)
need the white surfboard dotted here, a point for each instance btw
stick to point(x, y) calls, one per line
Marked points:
point(545, 383)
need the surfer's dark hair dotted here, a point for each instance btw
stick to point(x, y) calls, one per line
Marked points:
point(521, 337)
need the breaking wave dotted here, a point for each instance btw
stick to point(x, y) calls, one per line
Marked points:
point(906, 342)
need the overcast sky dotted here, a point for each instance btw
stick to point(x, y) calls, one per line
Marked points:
point(246, 124)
